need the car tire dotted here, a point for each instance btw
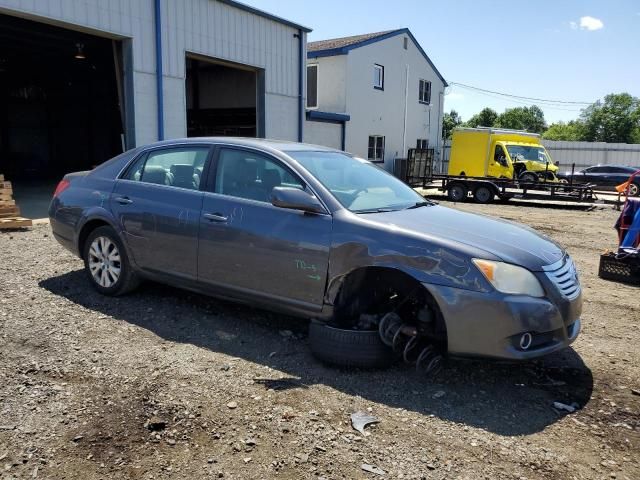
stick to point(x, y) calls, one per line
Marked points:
point(348, 348)
point(483, 194)
point(106, 263)
point(528, 177)
point(457, 192)
point(634, 189)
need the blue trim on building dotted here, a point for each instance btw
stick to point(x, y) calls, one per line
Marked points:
point(327, 116)
point(159, 81)
point(262, 13)
point(300, 85)
point(330, 52)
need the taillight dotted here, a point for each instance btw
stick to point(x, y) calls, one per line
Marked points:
point(62, 186)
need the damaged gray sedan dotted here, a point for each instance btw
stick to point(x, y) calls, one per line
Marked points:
point(320, 234)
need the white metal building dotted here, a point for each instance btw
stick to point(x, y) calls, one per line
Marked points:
point(376, 95)
point(80, 80)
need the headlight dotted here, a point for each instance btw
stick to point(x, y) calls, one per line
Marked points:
point(508, 278)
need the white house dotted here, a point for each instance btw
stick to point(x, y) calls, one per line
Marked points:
point(374, 95)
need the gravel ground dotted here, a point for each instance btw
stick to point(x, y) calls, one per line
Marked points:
point(168, 384)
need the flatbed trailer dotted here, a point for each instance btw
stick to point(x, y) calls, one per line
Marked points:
point(419, 173)
point(486, 189)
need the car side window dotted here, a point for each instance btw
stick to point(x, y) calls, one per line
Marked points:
point(177, 167)
point(250, 175)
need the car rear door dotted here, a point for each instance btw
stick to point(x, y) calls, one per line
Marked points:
point(157, 203)
point(250, 246)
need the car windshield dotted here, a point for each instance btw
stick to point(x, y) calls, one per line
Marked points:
point(357, 184)
point(523, 153)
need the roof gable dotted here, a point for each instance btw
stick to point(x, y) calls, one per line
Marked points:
point(262, 13)
point(342, 46)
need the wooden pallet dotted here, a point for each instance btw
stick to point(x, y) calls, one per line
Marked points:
point(9, 211)
point(15, 222)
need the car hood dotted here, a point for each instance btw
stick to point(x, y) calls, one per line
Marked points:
point(511, 242)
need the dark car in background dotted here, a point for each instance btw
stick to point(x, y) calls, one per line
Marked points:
point(605, 177)
point(321, 234)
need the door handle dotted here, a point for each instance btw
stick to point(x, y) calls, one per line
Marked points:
point(214, 217)
point(124, 200)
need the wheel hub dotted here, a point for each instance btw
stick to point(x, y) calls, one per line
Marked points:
point(104, 262)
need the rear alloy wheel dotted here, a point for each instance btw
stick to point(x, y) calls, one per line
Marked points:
point(106, 263)
point(634, 190)
point(483, 194)
point(457, 192)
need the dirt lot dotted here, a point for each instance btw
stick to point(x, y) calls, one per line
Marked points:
point(168, 384)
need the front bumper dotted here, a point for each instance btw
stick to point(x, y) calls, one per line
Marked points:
point(492, 324)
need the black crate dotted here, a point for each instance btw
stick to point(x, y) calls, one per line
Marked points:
point(625, 270)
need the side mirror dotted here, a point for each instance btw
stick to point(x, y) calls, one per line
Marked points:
point(295, 199)
point(557, 164)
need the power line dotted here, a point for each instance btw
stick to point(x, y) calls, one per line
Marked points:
point(519, 102)
point(534, 99)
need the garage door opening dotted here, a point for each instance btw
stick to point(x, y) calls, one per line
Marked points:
point(59, 108)
point(222, 99)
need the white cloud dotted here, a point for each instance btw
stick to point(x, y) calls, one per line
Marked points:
point(590, 23)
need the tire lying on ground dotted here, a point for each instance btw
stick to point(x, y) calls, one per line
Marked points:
point(348, 348)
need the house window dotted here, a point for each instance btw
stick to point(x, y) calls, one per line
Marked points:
point(405, 42)
point(378, 76)
point(422, 144)
point(376, 148)
point(312, 86)
point(425, 92)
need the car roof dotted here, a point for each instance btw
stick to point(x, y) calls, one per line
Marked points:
point(279, 145)
point(617, 166)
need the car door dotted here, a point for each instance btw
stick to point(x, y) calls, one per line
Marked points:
point(603, 176)
point(253, 247)
point(585, 176)
point(617, 176)
point(157, 203)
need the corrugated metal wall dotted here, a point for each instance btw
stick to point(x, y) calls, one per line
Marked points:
point(205, 27)
point(583, 154)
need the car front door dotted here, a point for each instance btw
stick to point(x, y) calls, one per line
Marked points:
point(157, 203)
point(585, 176)
point(250, 246)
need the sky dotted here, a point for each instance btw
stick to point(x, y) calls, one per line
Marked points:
point(568, 50)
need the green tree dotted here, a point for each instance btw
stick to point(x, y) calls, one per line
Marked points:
point(616, 120)
point(450, 121)
point(570, 131)
point(523, 118)
point(486, 118)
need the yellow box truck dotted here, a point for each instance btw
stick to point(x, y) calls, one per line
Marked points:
point(500, 153)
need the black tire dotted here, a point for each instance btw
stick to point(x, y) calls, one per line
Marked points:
point(483, 194)
point(457, 192)
point(348, 348)
point(127, 279)
point(634, 189)
point(528, 177)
